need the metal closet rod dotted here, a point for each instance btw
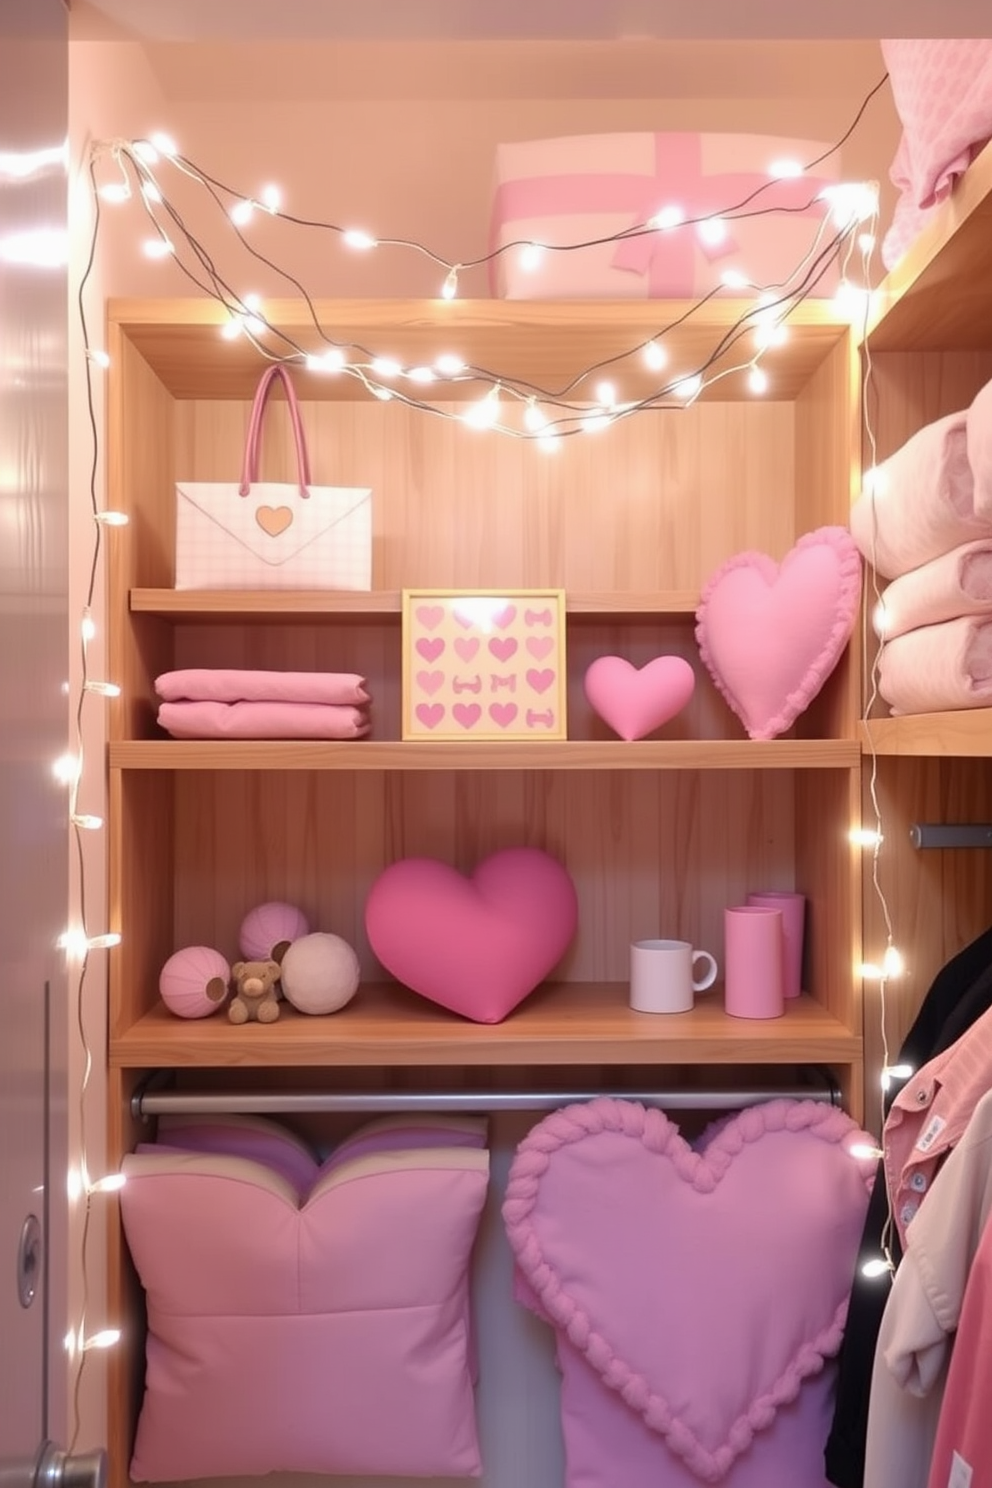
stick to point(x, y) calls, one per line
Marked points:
point(301, 1102)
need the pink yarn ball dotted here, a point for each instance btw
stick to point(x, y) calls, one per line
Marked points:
point(270, 925)
point(194, 982)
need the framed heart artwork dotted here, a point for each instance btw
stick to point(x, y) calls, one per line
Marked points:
point(484, 664)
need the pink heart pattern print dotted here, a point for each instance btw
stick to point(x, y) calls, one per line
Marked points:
point(495, 665)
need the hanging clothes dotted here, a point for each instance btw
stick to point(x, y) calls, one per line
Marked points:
point(962, 1453)
point(959, 995)
point(922, 1311)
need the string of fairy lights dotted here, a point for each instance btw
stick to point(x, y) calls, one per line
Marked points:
point(137, 173)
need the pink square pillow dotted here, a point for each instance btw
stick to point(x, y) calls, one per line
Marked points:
point(696, 1294)
point(324, 1335)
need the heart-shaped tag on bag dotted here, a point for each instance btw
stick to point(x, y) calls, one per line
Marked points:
point(771, 633)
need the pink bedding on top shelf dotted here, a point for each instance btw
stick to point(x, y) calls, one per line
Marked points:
point(943, 94)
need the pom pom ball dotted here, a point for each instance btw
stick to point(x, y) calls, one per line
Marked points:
point(320, 973)
point(269, 928)
point(194, 982)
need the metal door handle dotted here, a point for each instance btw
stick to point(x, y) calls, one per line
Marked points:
point(57, 1469)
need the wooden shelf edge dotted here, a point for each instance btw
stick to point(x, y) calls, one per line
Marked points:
point(572, 754)
point(195, 604)
point(961, 226)
point(966, 733)
point(560, 1024)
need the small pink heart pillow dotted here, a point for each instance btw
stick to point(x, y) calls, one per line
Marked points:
point(636, 700)
point(478, 945)
point(770, 634)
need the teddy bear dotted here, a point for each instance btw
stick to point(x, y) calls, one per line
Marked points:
point(253, 984)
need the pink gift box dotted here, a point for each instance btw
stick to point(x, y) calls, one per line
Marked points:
point(571, 190)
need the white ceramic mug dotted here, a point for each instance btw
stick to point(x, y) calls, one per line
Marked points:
point(663, 975)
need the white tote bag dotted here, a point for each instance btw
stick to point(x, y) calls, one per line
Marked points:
point(268, 534)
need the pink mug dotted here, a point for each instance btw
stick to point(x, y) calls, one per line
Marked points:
point(752, 960)
point(793, 907)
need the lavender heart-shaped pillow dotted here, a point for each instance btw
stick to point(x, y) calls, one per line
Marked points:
point(771, 633)
point(703, 1287)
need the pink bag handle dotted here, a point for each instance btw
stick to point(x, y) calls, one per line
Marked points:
point(249, 471)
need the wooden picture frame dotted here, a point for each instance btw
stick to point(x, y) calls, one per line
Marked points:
point(484, 664)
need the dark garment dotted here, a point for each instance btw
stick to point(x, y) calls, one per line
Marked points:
point(960, 994)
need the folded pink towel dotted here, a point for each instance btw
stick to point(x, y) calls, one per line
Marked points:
point(206, 720)
point(222, 685)
point(979, 424)
point(921, 501)
point(958, 583)
point(938, 667)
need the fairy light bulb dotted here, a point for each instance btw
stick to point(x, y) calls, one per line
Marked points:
point(422, 375)
point(866, 242)
point(534, 419)
point(593, 423)
point(254, 322)
point(785, 169)
point(450, 286)
point(875, 481)
point(870, 972)
point(382, 393)
point(530, 257)
point(757, 380)
point(331, 360)
point(880, 618)
point(734, 279)
point(549, 443)
point(87, 626)
point(865, 1151)
point(865, 837)
point(688, 387)
point(271, 197)
point(655, 356)
point(895, 1072)
point(157, 247)
point(75, 942)
point(151, 193)
point(145, 151)
point(358, 238)
point(712, 231)
point(606, 394)
point(386, 367)
point(669, 217)
point(115, 192)
point(165, 144)
point(111, 518)
point(86, 823)
point(67, 768)
point(875, 1268)
point(112, 1183)
point(893, 964)
point(850, 202)
point(242, 212)
point(851, 301)
point(448, 364)
point(105, 1339)
point(484, 413)
point(232, 328)
point(770, 333)
point(99, 358)
point(102, 689)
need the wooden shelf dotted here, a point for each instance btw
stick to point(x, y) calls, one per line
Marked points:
point(546, 345)
point(559, 1024)
point(305, 605)
point(572, 754)
point(939, 297)
point(960, 734)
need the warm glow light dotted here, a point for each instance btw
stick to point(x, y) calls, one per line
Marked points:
point(850, 202)
point(448, 364)
point(357, 237)
point(386, 367)
point(880, 618)
point(67, 769)
point(87, 823)
point(851, 300)
point(688, 387)
point(893, 964)
point(865, 837)
point(895, 1072)
point(115, 191)
point(875, 1268)
point(421, 374)
point(771, 333)
point(734, 279)
point(98, 358)
point(39, 248)
point(150, 192)
point(483, 415)
point(450, 286)
point(593, 422)
point(530, 256)
point(331, 360)
point(549, 443)
point(145, 151)
point(164, 144)
point(655, 356)
point(667, 218)
point(113, 1183)
point(875, 480)
point(241, 212)
point(712, 231)
point(606, 394)
point(102, 689)
point(111, 518)
point(103, 1340)
point(869, 972)
point(76, 943)
point(157, 248)
point(865, 1152)
point(866, 242)
point(534, 419)
point(757, 380)
point(785, 169)
point(271, 198)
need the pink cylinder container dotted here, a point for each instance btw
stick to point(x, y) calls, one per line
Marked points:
point(752, 962)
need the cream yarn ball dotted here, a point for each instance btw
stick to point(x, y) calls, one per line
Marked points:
point(320, 973)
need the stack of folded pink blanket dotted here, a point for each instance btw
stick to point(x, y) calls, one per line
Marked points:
point(210, 703)
point(926, 524)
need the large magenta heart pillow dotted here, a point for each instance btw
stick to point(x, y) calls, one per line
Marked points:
point(770, 634)
point(478, 945)
point(702, 1288)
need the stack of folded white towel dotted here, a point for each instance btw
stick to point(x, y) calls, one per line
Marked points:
point(212, 703)
point(925, 522)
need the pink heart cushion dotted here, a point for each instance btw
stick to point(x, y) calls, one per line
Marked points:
point(770, 634)
point(636, 700)
point(702, 1288)
point(478, 945)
